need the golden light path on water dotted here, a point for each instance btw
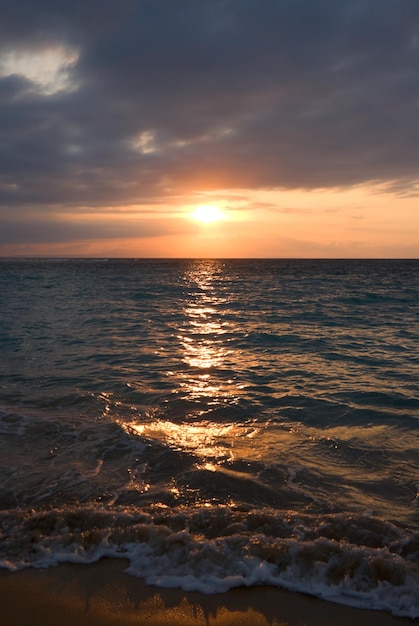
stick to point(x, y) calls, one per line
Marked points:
point(205, 351)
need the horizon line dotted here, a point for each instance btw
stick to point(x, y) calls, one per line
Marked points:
point(196, 258)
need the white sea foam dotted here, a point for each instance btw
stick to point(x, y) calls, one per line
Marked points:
point(373, 566)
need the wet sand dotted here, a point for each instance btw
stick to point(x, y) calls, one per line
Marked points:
point(102, 595)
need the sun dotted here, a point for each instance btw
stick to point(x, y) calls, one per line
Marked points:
point(207, 213)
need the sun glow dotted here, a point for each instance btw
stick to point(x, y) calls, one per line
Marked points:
point(207, 213)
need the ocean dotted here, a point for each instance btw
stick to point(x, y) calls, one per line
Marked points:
point(217, 423)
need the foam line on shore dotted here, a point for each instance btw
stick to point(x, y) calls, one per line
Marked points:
point(101, 594)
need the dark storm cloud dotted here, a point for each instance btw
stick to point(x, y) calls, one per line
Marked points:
point(172, 95)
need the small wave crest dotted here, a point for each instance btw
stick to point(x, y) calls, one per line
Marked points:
point(355, 560)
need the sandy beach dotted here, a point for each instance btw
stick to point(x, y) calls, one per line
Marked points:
point(102, 594)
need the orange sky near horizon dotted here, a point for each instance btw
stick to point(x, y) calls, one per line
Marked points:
point(360, 222)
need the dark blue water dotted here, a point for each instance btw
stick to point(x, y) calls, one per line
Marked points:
point(218, 423)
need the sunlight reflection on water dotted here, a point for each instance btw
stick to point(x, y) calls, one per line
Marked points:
point(205, 439)
point(203, 338)
point(205, 378)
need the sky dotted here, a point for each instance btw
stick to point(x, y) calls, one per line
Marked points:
point(295, 123)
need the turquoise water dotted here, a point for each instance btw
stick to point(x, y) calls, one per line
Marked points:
point(218, 423)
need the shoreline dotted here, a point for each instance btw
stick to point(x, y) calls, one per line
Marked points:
point(101, 594)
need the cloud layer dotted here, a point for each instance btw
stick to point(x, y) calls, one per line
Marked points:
point(150, 99)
